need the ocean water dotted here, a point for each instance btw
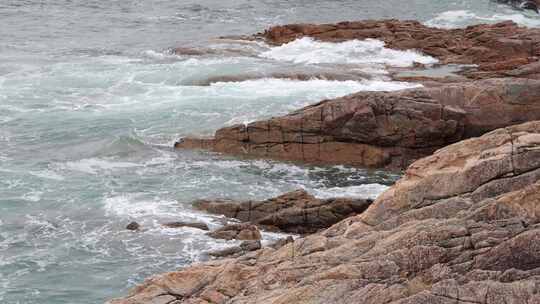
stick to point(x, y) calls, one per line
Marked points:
point(92, 99)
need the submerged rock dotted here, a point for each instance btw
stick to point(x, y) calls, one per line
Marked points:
point(180, 224)
point(293, 212)
point(383, 129)
point(133, 226)
point(462, 226)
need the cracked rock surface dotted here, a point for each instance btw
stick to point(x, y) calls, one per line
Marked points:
point(382, 129)
point(462, 226)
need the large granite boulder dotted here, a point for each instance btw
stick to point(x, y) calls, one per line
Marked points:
point(462, 226)
point(382, 129)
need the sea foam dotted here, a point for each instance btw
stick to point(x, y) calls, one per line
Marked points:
point(461, 18)
point(366, 191)
point(94, 165)
point(369, 51)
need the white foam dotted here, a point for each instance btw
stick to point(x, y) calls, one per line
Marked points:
point(132, 206)
point(5, 136)
point(311, 89)
point(369, 51)
point(451, 19)
point(517, 18)
point(160, 55)
point(222, 164)
point(16, 109)
point(94, 165)
point(196, 62)
point(32, 196)
point(302, 93)
point(368, 191)
point(460, 18)
point(47, 174)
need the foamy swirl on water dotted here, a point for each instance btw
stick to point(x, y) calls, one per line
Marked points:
point(369, 51)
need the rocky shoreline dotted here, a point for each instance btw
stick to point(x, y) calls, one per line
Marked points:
point(461, 226)
point(382, 129)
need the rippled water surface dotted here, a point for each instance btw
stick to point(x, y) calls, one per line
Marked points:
point(92, 98)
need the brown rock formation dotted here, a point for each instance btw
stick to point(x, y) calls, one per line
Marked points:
point(462, 226)
point(393, 129)
point(497, 47)
point(242, 231)
point(383, 129)
point(294, 212)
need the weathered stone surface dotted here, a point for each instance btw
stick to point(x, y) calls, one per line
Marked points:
point(242, 231)
point(497, 47)
point(181, 224)
point(383, 129)
point(293, 212)
point(462, 226)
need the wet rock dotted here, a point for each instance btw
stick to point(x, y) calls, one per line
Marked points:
point(251, 245)
point(180, 224)
point(488, 46)
point(244, 247)
point(383, 129)
point(242, 231)
point(134, 226)
point(282, 242)
point(225, 252)
point(302, 75)
point(191, 51)
point(293, 212)
point(461, 226)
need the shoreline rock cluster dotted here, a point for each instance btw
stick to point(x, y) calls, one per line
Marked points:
point(382, 129)
point(496, 48)
point(392, 129)
point(461, 226)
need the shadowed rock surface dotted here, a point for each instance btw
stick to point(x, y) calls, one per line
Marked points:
point(293, 212)
point(495, 48)
point(292, 75)
point(382, 129)
point(462, 226)
point(181, 224)
point(245, 246)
